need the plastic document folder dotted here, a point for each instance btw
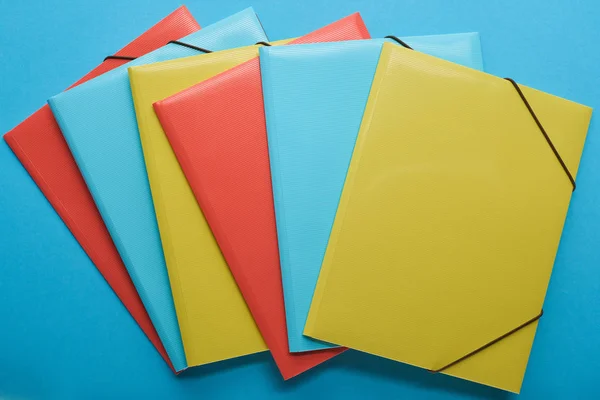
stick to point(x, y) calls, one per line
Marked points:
point(217, 130)
point(214, 320)
point(450, 219)
point(41, 148)
point(313, 116)
point(99, 124)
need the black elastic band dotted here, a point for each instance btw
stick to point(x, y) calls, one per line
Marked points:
point(190, 46)
point(399, 41)
point(119, 58)
point(539, 124)
point(264, 43)
point(485, 346)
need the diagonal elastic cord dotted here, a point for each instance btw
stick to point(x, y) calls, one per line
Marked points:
point(189, 46)
point(485, 346)
point(535, 118)
point(119, 58)
point(399, 41)
point(539, 124)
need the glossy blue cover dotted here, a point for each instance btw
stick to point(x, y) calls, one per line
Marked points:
point(98, 121)
point(314, 98)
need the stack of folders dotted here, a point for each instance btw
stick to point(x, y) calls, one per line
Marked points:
point(314, 194)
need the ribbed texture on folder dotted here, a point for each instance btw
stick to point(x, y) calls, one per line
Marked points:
point(214, 320)
point(315, 95)
point(41, 148)
point(217, 130)
point(98, 121)
point(447, 227)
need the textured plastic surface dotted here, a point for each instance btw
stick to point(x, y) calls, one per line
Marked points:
point(99, 124)
point(313, 116)
point(61, 316)
point(449, 220)
point(217, 130)
point(214, 320)
point(41, 148)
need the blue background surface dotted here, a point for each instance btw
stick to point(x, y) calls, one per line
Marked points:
point(63, 333)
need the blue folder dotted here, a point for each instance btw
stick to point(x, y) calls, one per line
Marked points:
point(314, 99)
point(98, 121)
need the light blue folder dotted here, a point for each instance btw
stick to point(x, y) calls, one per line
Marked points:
point(98, 121)
point(314, 98)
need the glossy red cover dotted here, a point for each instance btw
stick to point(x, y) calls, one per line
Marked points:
point(217, 130)
point(41, 148)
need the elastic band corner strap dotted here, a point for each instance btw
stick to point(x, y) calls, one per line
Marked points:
point(399, 41)
point(531, 112)
point(485, 346)
point(571, 179)
point(115, 57)
point(539, 124)
point(177, 42)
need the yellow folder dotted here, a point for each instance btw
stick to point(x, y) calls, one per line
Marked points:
point(449, 221)
point(214, 320)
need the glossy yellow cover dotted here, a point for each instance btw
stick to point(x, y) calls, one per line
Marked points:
point(449, 221)
point(214, 320)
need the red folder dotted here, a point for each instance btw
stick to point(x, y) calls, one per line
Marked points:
point(41, 148)
point(217, 130)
